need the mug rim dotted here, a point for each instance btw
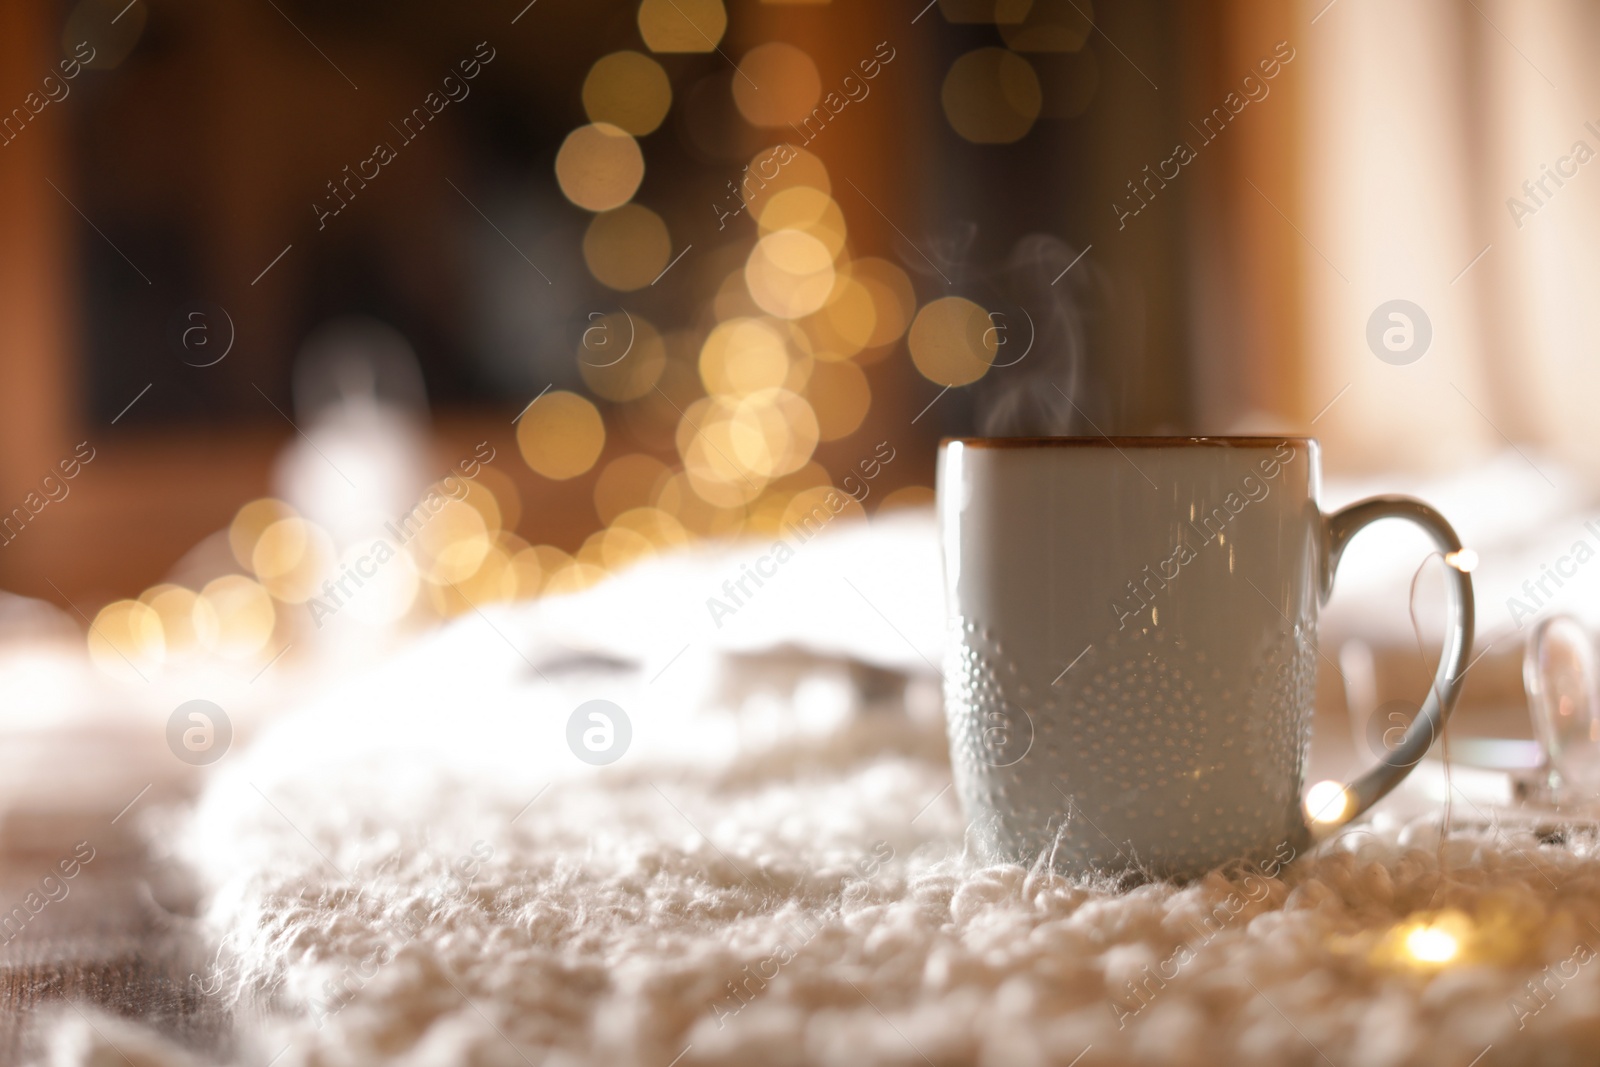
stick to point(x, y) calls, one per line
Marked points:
point(1225, 441)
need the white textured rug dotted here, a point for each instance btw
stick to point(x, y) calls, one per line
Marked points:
point(419, 871)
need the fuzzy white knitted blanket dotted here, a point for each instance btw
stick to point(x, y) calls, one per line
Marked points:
point(419, 871)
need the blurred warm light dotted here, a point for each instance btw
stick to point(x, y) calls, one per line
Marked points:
point(846, 323)
point(495, 580)
point(1432, 944)
point(991, 96)
point(894, 299)
point(777, 85)
point(1327, 802)
point(840, 396)
point(621, 356)
point(789, 273)
point(290, 559)
point(575, 577)
point(951, 342)
point(1044, 25)
point(188, 624)
point(599, 166)
point(908, 496)
point(653, 419)
point(682, 25)
point(506, 496)
point(777, 168)
point(813, 509)
point(387, 589)
point(629, 90)
point(126, 639)
point(627, 482)
point(678, 498)
point(658, 527)
point(806, 209)
point(743, 356)
point(244, 614)
point(248, 524)
point(451, 545)
point(561, 435)
point(627, 248)
point(1464, 560)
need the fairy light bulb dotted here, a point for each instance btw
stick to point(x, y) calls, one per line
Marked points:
point(1558, 671)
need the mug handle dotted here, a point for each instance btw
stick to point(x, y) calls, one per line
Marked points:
point(1338, 529)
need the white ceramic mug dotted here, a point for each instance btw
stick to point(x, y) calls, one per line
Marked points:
point(1132, 651)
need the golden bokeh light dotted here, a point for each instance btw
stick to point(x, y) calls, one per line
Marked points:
point(1327, 802)
point(732, 447)
point(907, 496)
point(809, 210)
point(777, 84)
point(840, 396)
point(627, 482)
point(777, 168)
point(451, 545)
point(1044, 25)
point(652, 420)
point(126, 640)
point(682, 25)
point(627, 249)
point(188, 624)
point(506, 496)
point(248, 523)
point(894, 300)
point(494, 580)
point(951, 341)
point(561, 435)
point(991, 96)
point(574, 577)
point(744, 356)
point(291, 558)
point(846, 323)
point(621, 356)
point(629, 90)
point(244, 613)
point(789, 274)
point(812, 510)
point(678, 498)
point(599, 166)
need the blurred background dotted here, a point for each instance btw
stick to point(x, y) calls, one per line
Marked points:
point(601, 279)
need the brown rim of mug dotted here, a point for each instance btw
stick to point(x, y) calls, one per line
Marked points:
point(1125, 442)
